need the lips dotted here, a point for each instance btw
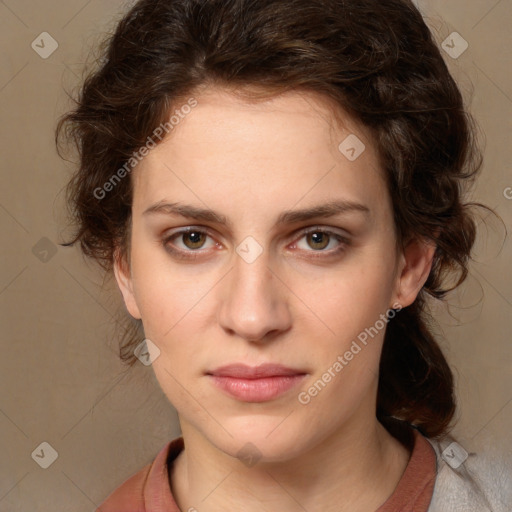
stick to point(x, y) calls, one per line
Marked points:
point(243, 371)
point(255, 383)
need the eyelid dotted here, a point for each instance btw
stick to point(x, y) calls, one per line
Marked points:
point(324, 229)
point(341, 235)
point(187, 229)
point(322, 255)
point(301, 232)
point(173, 233)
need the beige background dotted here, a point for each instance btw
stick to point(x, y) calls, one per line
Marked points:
point(61, 380)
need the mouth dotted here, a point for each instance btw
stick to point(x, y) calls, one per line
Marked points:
point(256, 383)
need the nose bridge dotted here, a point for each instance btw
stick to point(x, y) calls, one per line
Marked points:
point(254, 303)
point(251, 273)
point(252, 279)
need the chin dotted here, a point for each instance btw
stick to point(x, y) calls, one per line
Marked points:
point(265, 439)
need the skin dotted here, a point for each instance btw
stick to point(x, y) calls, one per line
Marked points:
point(297, 304)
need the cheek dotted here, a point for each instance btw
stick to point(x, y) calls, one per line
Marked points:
point(346, 361)
point(164, 294)
point(351, 299)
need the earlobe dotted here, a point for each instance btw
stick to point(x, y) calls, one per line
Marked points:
point(416, 263)
point(125, 284)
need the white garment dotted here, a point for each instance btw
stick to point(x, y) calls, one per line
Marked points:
point(481, 483)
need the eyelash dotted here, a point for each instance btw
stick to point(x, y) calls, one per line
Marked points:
point(194, 254)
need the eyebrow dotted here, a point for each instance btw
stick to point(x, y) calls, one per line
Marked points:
point(325, 210)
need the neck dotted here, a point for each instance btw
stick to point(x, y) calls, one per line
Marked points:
point(352, 470)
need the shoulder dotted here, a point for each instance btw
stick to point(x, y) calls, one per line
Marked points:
point(469, 481)
point(129, 495)
point(148, 490)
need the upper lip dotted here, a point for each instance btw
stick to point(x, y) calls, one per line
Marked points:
point(244, 371)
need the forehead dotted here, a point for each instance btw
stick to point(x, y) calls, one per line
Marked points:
point(287, 147)
point(236, 113)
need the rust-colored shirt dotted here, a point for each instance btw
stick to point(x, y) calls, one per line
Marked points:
point(149, 489)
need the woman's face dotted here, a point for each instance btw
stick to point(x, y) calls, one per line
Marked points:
point(257, 280)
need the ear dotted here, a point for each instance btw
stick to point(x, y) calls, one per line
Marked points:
point(125, 283)
point(413, 270)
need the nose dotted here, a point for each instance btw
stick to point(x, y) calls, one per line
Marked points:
point(254, 303)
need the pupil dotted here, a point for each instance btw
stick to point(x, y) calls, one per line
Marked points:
point(194, 237)
point(318, 238)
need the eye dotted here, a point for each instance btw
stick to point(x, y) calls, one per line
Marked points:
point(191, 239)
point(319, 239)
point(191, 242)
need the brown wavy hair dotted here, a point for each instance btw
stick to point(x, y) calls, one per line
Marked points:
point(377, 60)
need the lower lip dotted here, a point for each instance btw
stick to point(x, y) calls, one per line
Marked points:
point(257, 390)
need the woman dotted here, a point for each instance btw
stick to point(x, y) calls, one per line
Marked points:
point(276, 186)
